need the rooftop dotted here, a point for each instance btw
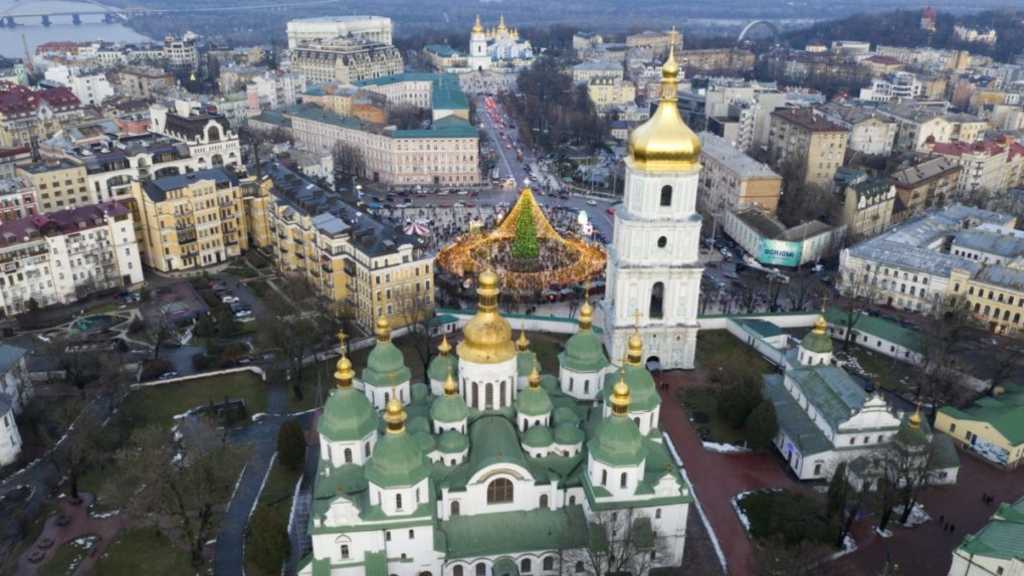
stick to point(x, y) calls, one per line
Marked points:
point(745, 166)
point(1005, 245)
point(925, 171)
point(58, 222)
point(770, 228)
point(157, 189)
point(808, 119)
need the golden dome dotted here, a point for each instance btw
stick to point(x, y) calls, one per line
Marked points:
point(820, 325)
point(665, 143)
point(444, 347)
point(343, 372)
point(394, 415)
point(451, 387)
point(501, 24)
point(635, 349)
point(383, 329)
point(487, 337)
point(534, 378)
point(915, 418)
point(586, 316)
point(477, 27)
point(620, 395)
point(522, 343)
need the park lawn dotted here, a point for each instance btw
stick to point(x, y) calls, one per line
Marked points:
point(703, 400)
point(159, 404)
point(68, 556)
point(795, 517)
point(277, 495)
point(719, 348)
point(881, 370)
point(143, 547)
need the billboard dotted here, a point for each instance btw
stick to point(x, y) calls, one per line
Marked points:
point(779, 252)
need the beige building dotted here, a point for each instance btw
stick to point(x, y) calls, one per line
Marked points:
point(59, 183)
point(995, 294)
point(868, 207)
point(584, 72)
point(986, 168)
point(732, 180)
point(919, 187)
point(190, 221)
point(27, 114)
point(345, 60)
point(715, 59)
point(806, 140)
point(142, 82)
point(364, 266)
point(610, 93)
point(870, 132)
point(659, 42)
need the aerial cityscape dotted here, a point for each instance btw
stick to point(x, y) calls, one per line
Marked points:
point(467, 288)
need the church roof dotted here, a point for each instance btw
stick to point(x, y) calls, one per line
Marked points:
point(642, 390)
point(397, 460)
point(533, 402)
point(1002, 537)
point(386, 366)
point(832, 391)
point(448, 409)
point(347, 416)
point(538, 437)
point(792, 419)
point(472, 536)
point(617, 442)
point(584, 352)
point(439, 366)
point(493, 440)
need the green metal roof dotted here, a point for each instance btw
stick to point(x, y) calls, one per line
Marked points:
point(792, 420)
point(538, 437)
point(512, 532)
point(568, 434)
point(832, 391)
point(814, 342)
point(447, 127)
point(617, 442)
point(533, 402)
point(443, 50)
point(439, 366)
point(397, 460)
point(1005, 413)
point(642, 391)
point(449, 409)
point(525, 361)
point(347, 416)
point(880, 328)
point(493, 440)
point(584, 352)
point(1002, 537)
point(385, 366)
point(761, 328)
point(452, 442)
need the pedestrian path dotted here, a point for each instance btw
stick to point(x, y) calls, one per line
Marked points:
point(71, 522)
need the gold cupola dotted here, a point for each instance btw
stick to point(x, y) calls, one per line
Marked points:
point(383, 329)
point(635, 349)
point(665, 143)
point(620, 395)
point(487, 337)
point(522, 343)
point(477, 27)
point(444, 347)
point(501, 24)
point(394, 415)
point(451, 387)
point(586, 315)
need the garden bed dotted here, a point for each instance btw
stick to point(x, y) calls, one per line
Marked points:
point(792, 517)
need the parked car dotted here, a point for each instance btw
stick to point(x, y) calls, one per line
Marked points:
point(228, 298)
point(168, 375)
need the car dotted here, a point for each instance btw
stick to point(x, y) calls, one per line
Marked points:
point(591, 202)
point(610, 211)
point(168, 375)
point(442, 193)
point(458, 205)
point(403, 205)
point(463, 192)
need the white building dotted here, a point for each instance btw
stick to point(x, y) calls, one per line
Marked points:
point(180, 53)
point(769, 242)
point(898, 86)
point(371, 28)
point(10, 439)
point(654, 272)
point(273, 90)
point(998, 548)
point(14, 377)
point(90, 89)
point(497, 47)
point(211, 141)
point(61, 256)
point(489, 479)
point(869, 132)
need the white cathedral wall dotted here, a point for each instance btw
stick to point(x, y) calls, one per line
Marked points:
point(379, 395)
point(360, 449)
point(482, 375)
point(411, 498)
point(580, 385)
point(526, 494)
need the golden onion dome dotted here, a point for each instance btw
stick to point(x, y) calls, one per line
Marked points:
point(522, 344)
point(487, 337)
point(343, 372)
point(915, 418)
point(451, 387)
point(534, 378)
point(394, 415)
point(820, 325)
point(586, 316)
point(477, 27)
point(444, 347)
point(383, 329)
point(620, 395)
point(664, 143)
point(501, 24)
point(634, 349)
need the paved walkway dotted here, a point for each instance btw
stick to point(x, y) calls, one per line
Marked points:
point(79, 524)
point(717, 478)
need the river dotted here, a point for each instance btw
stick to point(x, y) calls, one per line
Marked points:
point(61, 28)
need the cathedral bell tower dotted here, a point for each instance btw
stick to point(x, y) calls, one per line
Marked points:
point(653, 274)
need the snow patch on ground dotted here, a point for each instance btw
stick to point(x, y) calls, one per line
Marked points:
point(883, 533)
point(102, 515)
point(725, 448)
point(917, 516)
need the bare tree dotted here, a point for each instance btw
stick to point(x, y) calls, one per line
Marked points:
point(774, 558)
point(184, 484)
point(619, 542)
point(159, 332)
point(349, 160)
point(81, 448)
point(859, 291)
point(943, 332)
point(415, 309)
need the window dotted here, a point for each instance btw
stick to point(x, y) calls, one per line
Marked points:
point(398, 501)
point(543, 502)
point(952, 428)
point(853, 441)
point(412, 534)
point(656, 309)
point(499, 491)
point(344, 551)
point(579, 564)
point(549, 563)
point(657, 513)
point(623, 479)
point(572, 500)
point(604, 477)
point(666, 195)
point(457, 571)
point(481, 569)
point(662, 242)
point(524, 566)
point(455, 508)
point(387, 535)
point(348, 455)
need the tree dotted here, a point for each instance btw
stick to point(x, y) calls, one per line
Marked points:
point(407, 117)
point(267, 544)
point(414, 309)
point(524, 244)
point(349, 160)
point(81, 448)
point(859, 291)
point(619, 543)
point(740, 393)
point(159, 332)
point(291, 445)
point(944, 333)
point(183, 484)
point(838, 491)
point(295, 338)
point(761, 426)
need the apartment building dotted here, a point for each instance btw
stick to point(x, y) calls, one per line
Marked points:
point(345, 60)
point(306, 30)
point(142, 82)
point(731, 179)
point(994, 294)
point(438, 92)
point(921, 124)
point(919, 187)
point(986, 168)
point(65, 255)
point(180, 52)
point(804, 139)
point(870, 133)
point(208, 135)
point(60, 183)
point(190, 221)
point(585, 71)
point(367, 267)
point(28, 115)
point(17, 198)
point(868, 206)
point(610, 93)
point(112, 166)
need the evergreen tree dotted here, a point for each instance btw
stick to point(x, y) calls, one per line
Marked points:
point(524, 244)
point(837, 491)
point(291, 445)
point(761, 426)
point(268, 544)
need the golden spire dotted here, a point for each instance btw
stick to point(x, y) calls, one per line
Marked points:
point(534, 378)
point(620, 395)
point(915, 418)
point(383, 329)
point(477, 27)
point(343, 372)
point(444, 347)
point(522, 343)
point(501, 23)
point(820, 323)
point(586, 312)
point(635, 345)
point(451, 387)
point(394, 415)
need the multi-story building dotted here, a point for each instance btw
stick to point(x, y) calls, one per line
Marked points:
point(868, 206)
point(988, 244)
point(273, 90)
point(770, 242)
point(311, 30)
point(909, 267)
point(112, 166)
point(989, 428)
point(585, 71)
point(28, 115)
point(439, 93)
point(62, 256)
point(17, 198)
point(731, 179)
point(870, 132)
point(498, 47)
point(91, 89)
point(180, 52)
point(190, 221)
point(806, 141)
point(610, 93)
point(659, 42)
point(208, 135)
point(718, 59)
point(10, 158)
point(921, 186)
point(143, 82)
point(345, 60)
point(986, 168)
point(921, 124)
point(60, 183)
point(365, 266)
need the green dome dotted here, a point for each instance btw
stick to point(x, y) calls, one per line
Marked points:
point(420, 392)
point(565, 415)
point(618, 442)
point(439, 365)
point(425, 441)
point(418, 424)
point(583, 352)
point(642, 390)
point(533, 402)
point(549, 383)
point(452, 442)
point(385, 366)
point(568, 434)
point(538, 437)
point(815, 342)
point(525, 361)
point(347, 416)
point(397, 461)
point(449, 409)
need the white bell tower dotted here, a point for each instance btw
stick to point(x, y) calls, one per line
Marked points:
point(654, 273)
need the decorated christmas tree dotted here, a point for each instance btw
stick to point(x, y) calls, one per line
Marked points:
point(524, 244)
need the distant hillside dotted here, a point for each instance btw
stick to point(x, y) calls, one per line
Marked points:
point(902, 28)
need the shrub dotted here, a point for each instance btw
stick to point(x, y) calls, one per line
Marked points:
point(789, 516)
point(201, 362)
point(154, 367)
point(291, 445)
point(267, 546)
point(761, 426)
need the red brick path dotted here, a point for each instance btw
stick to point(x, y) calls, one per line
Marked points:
point(81, 524)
